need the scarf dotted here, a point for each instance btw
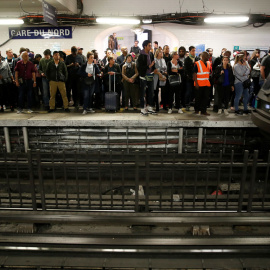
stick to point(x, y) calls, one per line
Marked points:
point(128, 65)
point(192, 58)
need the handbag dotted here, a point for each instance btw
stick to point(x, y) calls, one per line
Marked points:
point(221, 79)
point(89, 80)
point(149, 77)
point(255, 73)
point(246, 83)
point(175, 79)
point(162, 82)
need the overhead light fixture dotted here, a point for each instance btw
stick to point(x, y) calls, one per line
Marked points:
point(11, 21)
point(147, 20)
point(226, 19)
point(117, 21)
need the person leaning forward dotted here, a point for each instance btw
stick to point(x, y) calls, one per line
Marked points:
point(57, 75)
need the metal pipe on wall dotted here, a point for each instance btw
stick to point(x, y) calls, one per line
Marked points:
point(25, 139)
point(7, 139)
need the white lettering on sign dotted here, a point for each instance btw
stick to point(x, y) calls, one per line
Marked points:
point(31, 32)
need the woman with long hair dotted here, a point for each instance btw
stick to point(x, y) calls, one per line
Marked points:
point(175, 69)
point(160, 78)
point(89, 72)
point(225, 84)
point(241, 72)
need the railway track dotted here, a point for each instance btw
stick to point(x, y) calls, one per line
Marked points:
point(142, 247)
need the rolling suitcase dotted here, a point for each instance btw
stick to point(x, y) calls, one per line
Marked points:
point(111, 98)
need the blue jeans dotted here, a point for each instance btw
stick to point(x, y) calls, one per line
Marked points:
point(46, 91)
point(239, 91)
point(261, 82)
point(26, 86)
point(88, 91)
point(149, 91)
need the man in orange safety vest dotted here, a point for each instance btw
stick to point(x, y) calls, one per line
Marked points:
point(201, 73)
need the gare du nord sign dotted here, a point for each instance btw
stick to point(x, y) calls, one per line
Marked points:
point(40, 32)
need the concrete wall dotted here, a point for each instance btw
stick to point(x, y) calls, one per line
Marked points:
point(172, 34)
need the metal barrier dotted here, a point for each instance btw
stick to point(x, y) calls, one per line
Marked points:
point(135, 181)
point(193, 139)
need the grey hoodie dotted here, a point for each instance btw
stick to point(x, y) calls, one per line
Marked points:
point(4, 71)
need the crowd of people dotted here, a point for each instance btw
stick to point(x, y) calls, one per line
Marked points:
point(150, 77)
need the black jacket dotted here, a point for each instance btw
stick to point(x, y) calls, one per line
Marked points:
point(72, 70)
point(120, 60)
point(188, 67)
point(167, 58)
point(142, 64)
point(169, 69)
point(134, 49)
point(216, 74)
point(118, 75)
point(104, 61)
point(217, 62)
point(58, 73)
point(82, 72)
point(12, 66)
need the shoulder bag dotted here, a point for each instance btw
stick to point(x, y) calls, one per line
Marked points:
point(149, 77)
point(175, 79)
point(246, 83)
point(89, 80)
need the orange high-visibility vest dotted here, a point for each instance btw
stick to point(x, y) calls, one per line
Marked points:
point(203, 73)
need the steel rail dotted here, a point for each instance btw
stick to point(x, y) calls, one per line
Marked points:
point(67, 251)
point(116, 250)
point(133, 220)
point(128, 240)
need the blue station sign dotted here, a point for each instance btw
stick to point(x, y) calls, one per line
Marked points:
point(40, 32)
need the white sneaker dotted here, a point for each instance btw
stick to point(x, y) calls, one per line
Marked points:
point(144, 112)
point(90, 110)
point(170, 111)
point(30, 111)
point(219, 111)
point(84, 112)
point(19, 111)
point(180, 111)
point(151, 110)
point(226, 112)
